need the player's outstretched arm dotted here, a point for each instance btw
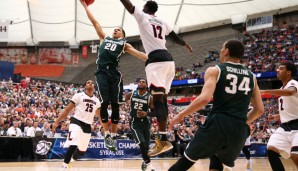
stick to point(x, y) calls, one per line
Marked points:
point(203, 99)
point(96, 25)
point(63, 115)
point(281, 92)
point(131, 50)
point(128, 5)
point(177, 39)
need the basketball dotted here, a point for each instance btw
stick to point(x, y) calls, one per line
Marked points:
point(89, 2)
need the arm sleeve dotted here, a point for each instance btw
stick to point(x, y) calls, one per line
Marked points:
point(177, 39)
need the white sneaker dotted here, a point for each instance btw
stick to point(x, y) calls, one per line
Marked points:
point(248, 164)
point(65, 166)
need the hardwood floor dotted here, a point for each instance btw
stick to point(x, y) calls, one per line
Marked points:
point(132, 165)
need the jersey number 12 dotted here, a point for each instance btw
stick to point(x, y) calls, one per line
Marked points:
point(157, 30)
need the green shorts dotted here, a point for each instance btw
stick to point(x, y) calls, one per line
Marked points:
point(110, 85)
point(140, 129)
point(221, 135)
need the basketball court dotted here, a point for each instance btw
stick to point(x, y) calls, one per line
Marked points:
point(260, 164)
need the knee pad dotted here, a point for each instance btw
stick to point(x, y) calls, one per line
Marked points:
point(104, 112)
point(115, 113)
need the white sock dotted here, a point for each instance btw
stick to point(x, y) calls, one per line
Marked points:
point(113, 134)
point(227, 168)
point(151, 166)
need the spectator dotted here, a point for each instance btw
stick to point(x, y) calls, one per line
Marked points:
point(32, 130)
point(14, 130)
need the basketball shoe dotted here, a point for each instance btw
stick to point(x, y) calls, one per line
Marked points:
point(114, 146)
point(154, 147)
point(146, 166)
point(161, 147)
point(248, 164)
point(65, 166)
point(109, 142)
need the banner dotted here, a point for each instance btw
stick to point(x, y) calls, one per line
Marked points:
point(257, 150)
point(75, 58)
point(4, 24)
point(94, 48)
point(14, 55)
point(84, 51)
point(55, 56)
point(52, 148)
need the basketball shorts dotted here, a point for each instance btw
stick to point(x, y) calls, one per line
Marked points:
point(140, 129)
point(221, 135)
point(110, 85)
point(160, 76)
point(284, 141)
point(77, 137)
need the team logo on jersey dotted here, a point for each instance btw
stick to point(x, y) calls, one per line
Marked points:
point(43, 147)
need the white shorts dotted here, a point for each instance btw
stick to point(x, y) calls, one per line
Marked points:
point(160, 76)
point(77, 137)
point(284, 141)
point(247, 142)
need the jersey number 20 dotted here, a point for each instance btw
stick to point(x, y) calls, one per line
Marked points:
point(110, 46)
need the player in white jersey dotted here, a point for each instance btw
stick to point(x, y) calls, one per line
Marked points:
point(160, 66)
point(86, 106)
point(284, 141)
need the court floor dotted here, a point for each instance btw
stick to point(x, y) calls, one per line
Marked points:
point(260, 164)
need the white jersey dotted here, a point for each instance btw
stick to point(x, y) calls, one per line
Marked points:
point(288, 105)
point(153, 30)
point(86, 107)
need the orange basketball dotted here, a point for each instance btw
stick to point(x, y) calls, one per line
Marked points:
point(89, 2)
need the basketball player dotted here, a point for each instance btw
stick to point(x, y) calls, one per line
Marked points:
point(86, 105)
point(108, 75)
point(225, 130)
point(140, 102)
point(284, 141)
point(160, 66)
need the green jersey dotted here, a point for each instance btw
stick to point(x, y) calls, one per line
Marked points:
point(233, 90)
point(139, 102)
point(110, 51)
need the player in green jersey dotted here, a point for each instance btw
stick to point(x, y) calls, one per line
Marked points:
point(225, 130)
point(140, 103)
point(108, 76)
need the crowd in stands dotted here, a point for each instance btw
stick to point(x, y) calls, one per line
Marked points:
point(30, 107)
point(264, 50)
point(268, 48)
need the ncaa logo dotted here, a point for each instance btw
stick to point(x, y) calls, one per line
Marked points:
point(43, 147)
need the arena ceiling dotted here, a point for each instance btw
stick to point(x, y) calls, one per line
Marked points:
point(36, 21)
